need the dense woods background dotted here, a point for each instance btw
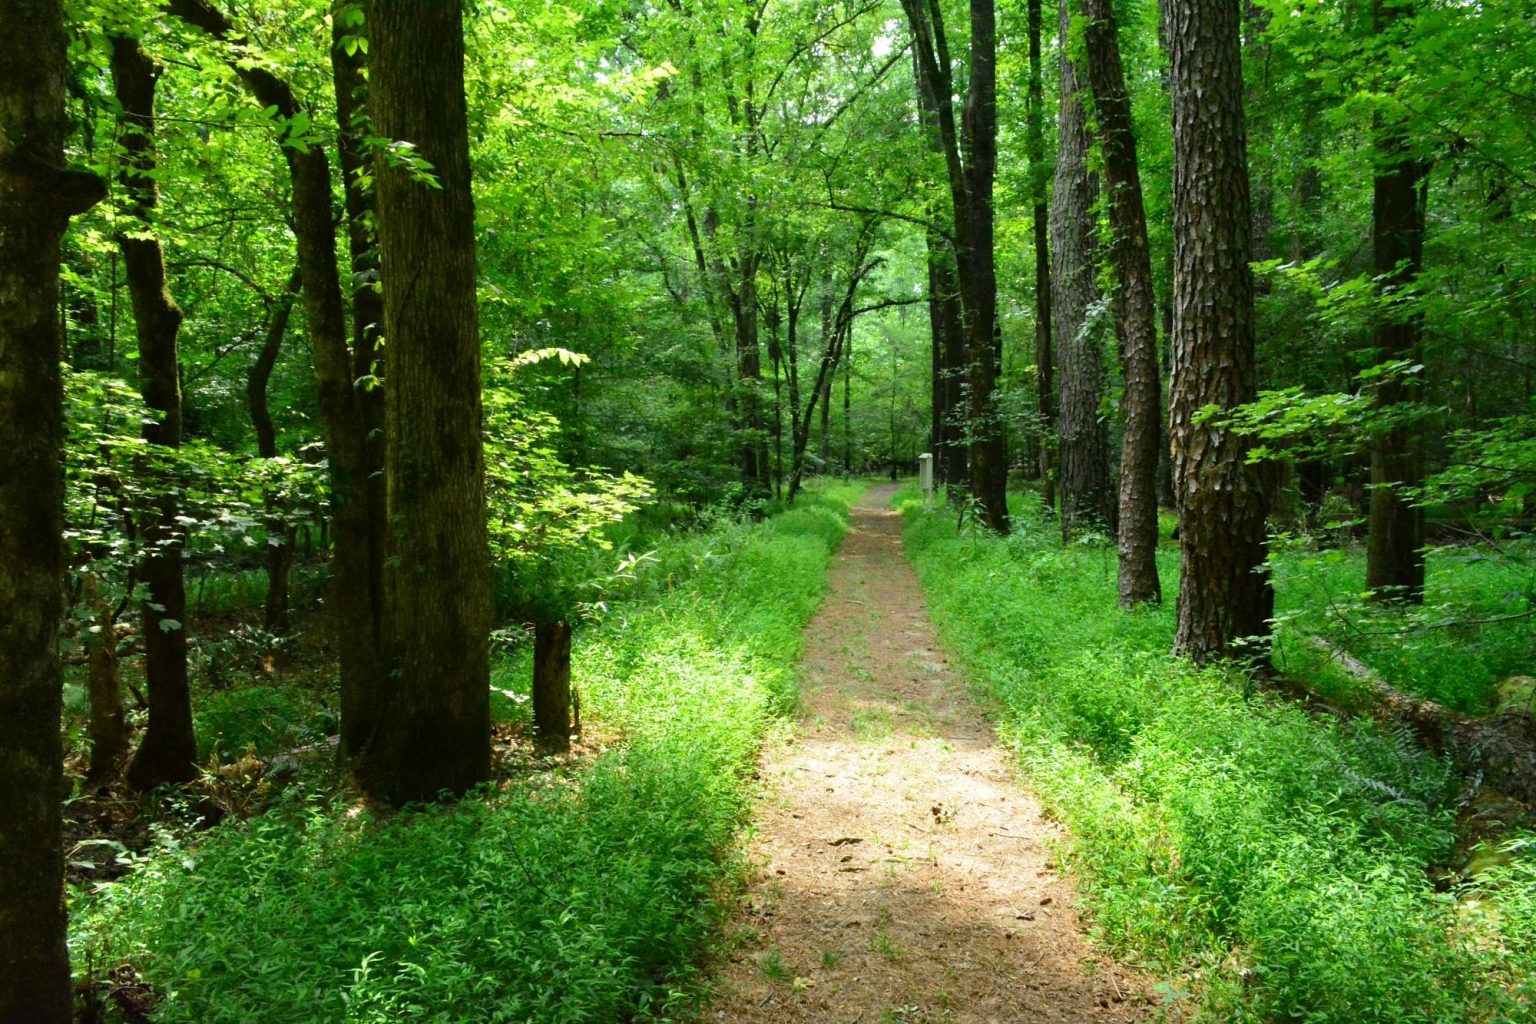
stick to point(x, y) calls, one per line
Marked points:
point(359, 360)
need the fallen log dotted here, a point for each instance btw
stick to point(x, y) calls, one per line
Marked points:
point(1501, 747)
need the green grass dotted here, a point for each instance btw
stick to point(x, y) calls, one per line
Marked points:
point(582, 897)
point(1277, 866)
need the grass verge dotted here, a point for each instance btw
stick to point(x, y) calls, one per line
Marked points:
point(578, 896)
point(1278, 866)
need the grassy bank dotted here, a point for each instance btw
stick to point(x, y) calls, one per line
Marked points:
point(581, 895)
point(1274, 865)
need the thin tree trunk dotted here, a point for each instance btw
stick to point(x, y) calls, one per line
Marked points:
point(37, 198)
point(1135, 310)
point(108, 727)
point(1224, 592)
point(1039, 191)
point(168, 751)
point(279, 530)
point(1087, 494)
point(356, 603)
point(946, 323)
point(350, 80)
point(433, 729)
point(552, 686)
point(970, 156)
point(1394, 559)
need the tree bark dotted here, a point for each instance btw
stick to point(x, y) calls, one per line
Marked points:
point(1394, 559)
point(168, 751)
point(1135, 309)
point(350, 81)
point(946, 324)
point(1039, 192)
point(433, 724)
point(1087, 494)
point(356, 597)
point(1224, 592)
point(279, 530)
point(970, 156)
point(552, 686)
point(37, 197)
point(108, 726)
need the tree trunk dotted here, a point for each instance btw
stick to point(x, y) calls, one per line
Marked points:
point(1394, 558)
point(433, 729)
point(37, 197)
point(1039, 191)
point(952, 470)
point(989, 447)
point(108, 726)
point(349, 75)
point(1224, 592)
point(552, 686)
point(279, 530)
point(356, 597)
point(1087, 494)
point(970, 156)
point(946, 325)
point(168, 752)
point(1135, 310)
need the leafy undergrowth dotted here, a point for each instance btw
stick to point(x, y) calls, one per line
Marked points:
point(1279, 866)
point(582, 896)
point(1474, 630)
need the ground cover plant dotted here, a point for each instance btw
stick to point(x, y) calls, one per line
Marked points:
point(1473, 631)
point(586, 894)
point(1275, 863)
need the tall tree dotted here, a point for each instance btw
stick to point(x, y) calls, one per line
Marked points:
point(168, 752)
point(38, 195)
point(945, 322)
point(1135, 308)
point(1224, 592)
point(356, 597)
point(1087, 493)
point(1394, 564)
point(433, 730)
point(970, 157)
point(1039, 194)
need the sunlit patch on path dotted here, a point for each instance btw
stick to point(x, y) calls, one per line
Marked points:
point(902, 874)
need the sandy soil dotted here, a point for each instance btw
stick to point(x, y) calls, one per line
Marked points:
point(903, 873)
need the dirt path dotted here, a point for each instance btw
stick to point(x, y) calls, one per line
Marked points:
point(905, 877)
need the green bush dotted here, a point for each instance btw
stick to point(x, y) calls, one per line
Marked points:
point(577, 897)
point(1286, 862)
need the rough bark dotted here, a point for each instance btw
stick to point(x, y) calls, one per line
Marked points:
point(37, 197)
point(1224, 593)
point(1135, 309)
point(1087, 493)
point(970, 158)
point(1039, 193)
point(279, 531)
point(433, 723)
point(552, 686)
point(355, 600)
point(1394, 559)
point(168, 751)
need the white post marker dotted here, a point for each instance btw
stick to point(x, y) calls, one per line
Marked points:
point(925, 474)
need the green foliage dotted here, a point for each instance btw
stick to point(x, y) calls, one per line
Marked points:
point(1285, 862)
point(1475, 628)
point(585, 896)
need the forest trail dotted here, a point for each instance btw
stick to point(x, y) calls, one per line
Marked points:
point(903, 876)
